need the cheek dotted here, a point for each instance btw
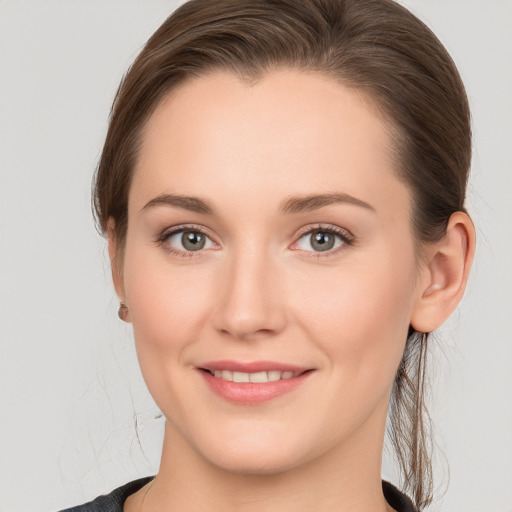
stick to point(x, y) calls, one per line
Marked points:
point(359, 315)
point(167, 304)
point(167, 307)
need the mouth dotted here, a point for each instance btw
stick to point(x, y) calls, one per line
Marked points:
point(252, 383)
point(256, 377)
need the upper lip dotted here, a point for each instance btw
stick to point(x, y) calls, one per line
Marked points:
point(253, 366)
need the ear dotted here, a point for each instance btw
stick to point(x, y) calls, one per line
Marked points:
point(116, 264)
point(445, 274)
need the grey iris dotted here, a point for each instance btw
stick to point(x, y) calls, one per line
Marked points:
point(322, 241)
point(192, 240)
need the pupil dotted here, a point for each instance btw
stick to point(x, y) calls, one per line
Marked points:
point(192, 240)
point(322, 241)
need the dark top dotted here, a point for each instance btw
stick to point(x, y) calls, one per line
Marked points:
point(113, 502)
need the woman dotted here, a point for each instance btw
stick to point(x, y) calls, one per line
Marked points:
point(282, 188)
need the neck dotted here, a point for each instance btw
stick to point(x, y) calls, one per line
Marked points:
point(345, 479)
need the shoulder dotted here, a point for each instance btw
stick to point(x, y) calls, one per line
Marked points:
point(397, 499)
point(113, 501)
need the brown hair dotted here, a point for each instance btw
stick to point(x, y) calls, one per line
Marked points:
point(376, 46)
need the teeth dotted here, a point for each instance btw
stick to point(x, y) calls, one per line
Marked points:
point(258, 377)
point(227, 374)
point(240, 377)
point(273, 376)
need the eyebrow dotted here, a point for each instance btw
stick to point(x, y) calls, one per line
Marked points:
point(294, 204)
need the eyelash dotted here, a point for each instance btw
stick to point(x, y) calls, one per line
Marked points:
point(346, 237)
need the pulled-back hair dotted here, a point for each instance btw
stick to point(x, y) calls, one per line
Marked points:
point(375, 46)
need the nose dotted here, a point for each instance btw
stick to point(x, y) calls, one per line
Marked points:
point(250, 303)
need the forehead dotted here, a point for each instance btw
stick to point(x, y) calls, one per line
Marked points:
point(288, 133)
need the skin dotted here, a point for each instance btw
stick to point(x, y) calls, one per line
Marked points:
point(259, 291)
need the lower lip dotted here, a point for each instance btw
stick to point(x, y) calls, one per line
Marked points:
point(252, 393)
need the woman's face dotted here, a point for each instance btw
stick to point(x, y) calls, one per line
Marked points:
point(268, 232)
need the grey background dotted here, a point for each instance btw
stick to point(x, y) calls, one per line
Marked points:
point(70, 385)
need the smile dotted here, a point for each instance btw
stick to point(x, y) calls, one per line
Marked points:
point(259, 377)
point(252, 383)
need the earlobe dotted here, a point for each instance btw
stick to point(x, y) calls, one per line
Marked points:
point(445, 274)
point(117, 269)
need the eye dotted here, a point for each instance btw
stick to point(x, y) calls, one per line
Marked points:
point(324, 239)
point(185, 240)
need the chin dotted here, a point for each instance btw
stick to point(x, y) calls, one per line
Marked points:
point(250, 463)
point(261, 452)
